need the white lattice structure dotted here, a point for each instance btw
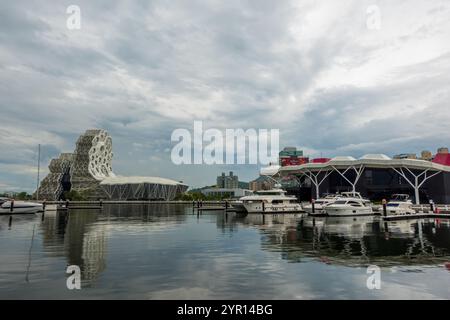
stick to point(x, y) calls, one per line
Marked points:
point(90, 168)
point(51, 187)
point(141, 188)
point(92, 160)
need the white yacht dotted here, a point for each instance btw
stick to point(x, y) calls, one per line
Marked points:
point(320, 204)
point(356, 195)
point(399, 204)
point(349, 206)
point(19, 207)
point(271, 201)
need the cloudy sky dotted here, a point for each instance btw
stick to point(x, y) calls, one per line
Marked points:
point(334, 79)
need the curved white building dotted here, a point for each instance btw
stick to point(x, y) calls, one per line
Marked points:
point(141, 188)
point(89, 168)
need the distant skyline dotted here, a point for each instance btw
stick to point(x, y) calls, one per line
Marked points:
point(141, 69)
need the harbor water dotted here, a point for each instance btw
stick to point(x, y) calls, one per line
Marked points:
point(166, 251)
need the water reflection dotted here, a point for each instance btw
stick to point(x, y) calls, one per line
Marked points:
point(170, 251)
point(353, 241)
point(81, 236)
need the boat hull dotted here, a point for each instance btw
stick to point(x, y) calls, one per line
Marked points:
point(257, 208)
point(318, 210)
point(348, 211)
point(21, 208)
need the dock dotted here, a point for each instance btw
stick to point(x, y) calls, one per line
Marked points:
point(417, 216)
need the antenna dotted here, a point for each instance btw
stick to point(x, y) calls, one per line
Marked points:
point(38, 171)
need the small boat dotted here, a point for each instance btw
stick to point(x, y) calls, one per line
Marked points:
point(349, 206)
point(20, 207)
point(320, 204)
point(271, 201)
point(400, 204)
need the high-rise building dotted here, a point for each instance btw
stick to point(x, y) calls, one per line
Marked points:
point(228, 182)
point(261, 183)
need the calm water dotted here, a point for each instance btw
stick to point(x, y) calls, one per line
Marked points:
point(167, 252)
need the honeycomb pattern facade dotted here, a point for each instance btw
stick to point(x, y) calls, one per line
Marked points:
point(85, 168)
point(51, 187)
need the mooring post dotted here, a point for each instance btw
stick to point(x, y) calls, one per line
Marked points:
point(11, 208)
point(10, 221)
point(432, 206)
point(43, 215)
point(384, 202)
point(101, 203)
point(67, 203)
point(313, 206)
point(44, 204)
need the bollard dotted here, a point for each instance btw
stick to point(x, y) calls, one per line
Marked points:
point(44, 204)
point(313, 206)
point(226, 205)
point(431, 206)
point(43, 215)
point(67, 203)
point(384, 202)
point(101, 203)
point(10, 221)
point(263, 207)
point(11, 208)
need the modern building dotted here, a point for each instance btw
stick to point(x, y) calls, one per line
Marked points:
point(426, 155)
point(228, 182)
point(406, 156)
point(376, 176)
point(261, 183)
point(290, 156)
point(89, 169)
point(141, 188)
point(226, 193)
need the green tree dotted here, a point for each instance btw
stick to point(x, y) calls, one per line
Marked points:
point(74, 195)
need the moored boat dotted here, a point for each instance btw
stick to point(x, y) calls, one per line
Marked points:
point(271, 201)
point(349, 206)
point(20, 207)
point(400, 204)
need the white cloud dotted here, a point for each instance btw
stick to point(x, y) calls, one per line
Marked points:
point(142, 69)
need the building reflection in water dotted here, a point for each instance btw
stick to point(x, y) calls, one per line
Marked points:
point(81, 236)
point(352, 241)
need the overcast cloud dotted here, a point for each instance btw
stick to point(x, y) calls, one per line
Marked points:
point(141, 69)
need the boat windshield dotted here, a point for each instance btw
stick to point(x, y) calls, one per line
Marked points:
point(400, 197)
point(340, 202)
point(392, 205)
point(270, 193)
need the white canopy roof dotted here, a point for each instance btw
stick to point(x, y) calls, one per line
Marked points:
point(370, 161)
point(343, 158)
point(269, 171)
point(138, 180)
point(374, 156)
